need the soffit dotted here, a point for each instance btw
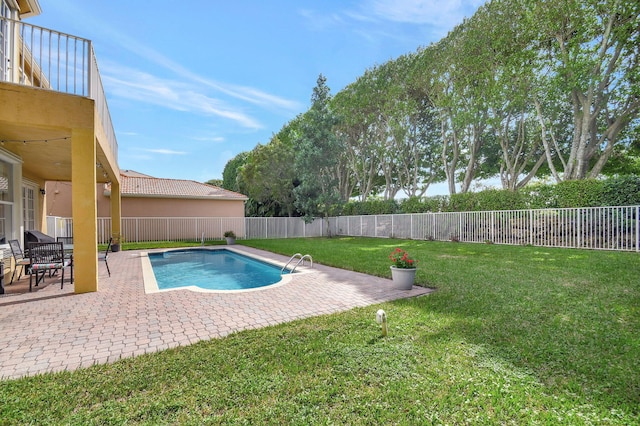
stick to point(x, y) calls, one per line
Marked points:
point(28, 8)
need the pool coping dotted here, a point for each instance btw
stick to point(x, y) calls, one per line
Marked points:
point(151, 284)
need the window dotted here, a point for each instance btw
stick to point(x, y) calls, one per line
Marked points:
point(5, 12)
point(29, 207)
point(6, 201)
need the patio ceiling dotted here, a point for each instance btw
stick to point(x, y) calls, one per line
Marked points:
point(46, 153)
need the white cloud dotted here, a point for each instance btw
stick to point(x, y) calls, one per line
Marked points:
point(439, 13)
point(245, 93)
point(321, 22)
point(209, 139)
point(373, 20)
point(166, 151)
point(140, 86)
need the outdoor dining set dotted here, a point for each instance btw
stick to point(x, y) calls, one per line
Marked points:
point(43, 257)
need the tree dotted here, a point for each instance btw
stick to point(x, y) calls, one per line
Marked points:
point(361, 128)
point(318, 151)
point(514, 143)
point(269, 177)
point(214, 182)
point(230, 172)
point(589, 57)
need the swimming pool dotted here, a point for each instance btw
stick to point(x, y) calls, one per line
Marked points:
point(206, 269)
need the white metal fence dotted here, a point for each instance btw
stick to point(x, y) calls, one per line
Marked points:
point(603, 228)
point(607, 228)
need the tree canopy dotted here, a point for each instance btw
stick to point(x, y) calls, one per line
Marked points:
point(520, 90)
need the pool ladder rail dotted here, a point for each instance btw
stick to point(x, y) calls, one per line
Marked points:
point(302, 259)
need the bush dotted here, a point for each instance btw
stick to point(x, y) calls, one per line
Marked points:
point(619, 191)
point(370, 207)
point(579, 193)
point(433, 204)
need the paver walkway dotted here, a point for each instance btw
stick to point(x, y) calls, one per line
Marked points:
point(54, 329)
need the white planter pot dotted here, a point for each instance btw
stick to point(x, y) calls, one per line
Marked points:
point(230, 240)
point(403, 278)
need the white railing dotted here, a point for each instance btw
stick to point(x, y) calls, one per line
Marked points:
point(606, 228)
point(52, 60)
point(600, 228)
point(284, 227)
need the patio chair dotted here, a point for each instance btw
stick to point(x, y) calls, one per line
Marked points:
point(67, 244)
point(104, 256)
point(47, 257)
point(18, 258)
point(64, 240)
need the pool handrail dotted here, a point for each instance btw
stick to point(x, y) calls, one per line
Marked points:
point(302, 258)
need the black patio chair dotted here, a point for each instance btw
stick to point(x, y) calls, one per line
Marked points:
point(47, 257)
point(68, 252)
point(64, 240)
point(104, 256)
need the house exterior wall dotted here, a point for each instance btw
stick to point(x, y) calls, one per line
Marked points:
point(59, 199)
point(181, 207)
point(59, 204)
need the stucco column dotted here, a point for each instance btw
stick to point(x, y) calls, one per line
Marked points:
point(116, 210)
point(84, 210)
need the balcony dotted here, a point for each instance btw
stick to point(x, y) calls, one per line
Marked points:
point(39, 57)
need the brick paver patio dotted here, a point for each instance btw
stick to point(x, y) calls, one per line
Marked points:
point(55, 330)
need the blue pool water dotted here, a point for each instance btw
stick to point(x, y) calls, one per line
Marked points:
point(211, 270)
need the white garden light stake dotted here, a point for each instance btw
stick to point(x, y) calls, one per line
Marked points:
point(381, 318)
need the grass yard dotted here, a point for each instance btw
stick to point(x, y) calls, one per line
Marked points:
point(513, 335)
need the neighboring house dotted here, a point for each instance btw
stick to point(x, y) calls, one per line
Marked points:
point(54, 126)
point(145, 196)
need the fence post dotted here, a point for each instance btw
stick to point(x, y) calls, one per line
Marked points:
point(493, 226)
point(433, 225)
point(579, 228)
point(411, 226)
point(375, 226)
point(531, 227)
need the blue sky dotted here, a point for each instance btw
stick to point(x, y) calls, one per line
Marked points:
point(192, 84)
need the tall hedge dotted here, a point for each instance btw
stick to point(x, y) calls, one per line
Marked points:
point(618, 191)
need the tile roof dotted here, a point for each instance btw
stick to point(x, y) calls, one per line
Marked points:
point(138, 185)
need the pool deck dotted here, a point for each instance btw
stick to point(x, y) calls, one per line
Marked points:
point(55, 329)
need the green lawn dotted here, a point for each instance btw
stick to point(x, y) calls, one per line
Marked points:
point(513, 335)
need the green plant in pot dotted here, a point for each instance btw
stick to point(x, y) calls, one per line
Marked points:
point(230, 236)
point(116, 240)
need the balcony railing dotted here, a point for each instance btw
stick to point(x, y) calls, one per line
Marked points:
point(35, 56)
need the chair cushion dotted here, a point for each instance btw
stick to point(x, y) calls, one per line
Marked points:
point(48, 266)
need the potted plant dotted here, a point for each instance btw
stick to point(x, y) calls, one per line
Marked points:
point(115, 242)
point(403, 269)
point(230, 237)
